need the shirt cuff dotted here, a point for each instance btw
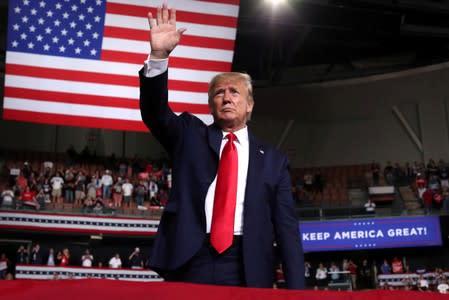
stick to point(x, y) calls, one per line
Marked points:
point(154, 67)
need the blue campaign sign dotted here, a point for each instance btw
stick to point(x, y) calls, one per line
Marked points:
point(363, 234)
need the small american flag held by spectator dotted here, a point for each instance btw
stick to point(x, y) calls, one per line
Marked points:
point(75, 62)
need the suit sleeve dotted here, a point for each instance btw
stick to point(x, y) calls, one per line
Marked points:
point(287, 232)
point(156, 113)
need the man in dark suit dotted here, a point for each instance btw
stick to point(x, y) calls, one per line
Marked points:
point(185, 248)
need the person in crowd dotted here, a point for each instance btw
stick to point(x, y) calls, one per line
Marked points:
point(64, 257)
point(396, 266)
point(141, 191)
point(117, 193)
point(427, 199)
point(422, 283)
point(365, 275)
point(107, 182)
point(242, 247)
point(4, 265)
point(80, 187)
point(153, 190)
point(22, 255)
point(128, 189)
point(136, 259)
point(36, 257)
point(388, 173)
point(92, 188)
point(51, 258)
point(7, 198)
point(40, 199)
point(318, 183)
point(57, 183)
point(28, 199)
point(115, 262)
point(279, 277)
point(87, 259)
point(352, 268)
point(334, 272)
point(370, 206)
point(308, 273)
point(321, 275)
point(385, 268)
point(442, 286)
point(69, 185)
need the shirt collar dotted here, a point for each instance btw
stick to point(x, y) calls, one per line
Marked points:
point(241, 134)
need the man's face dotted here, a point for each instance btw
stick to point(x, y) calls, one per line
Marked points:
point(230, 105)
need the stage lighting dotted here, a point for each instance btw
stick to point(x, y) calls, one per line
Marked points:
point(276, 2)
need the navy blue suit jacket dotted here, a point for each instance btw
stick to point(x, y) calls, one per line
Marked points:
point(268, 205)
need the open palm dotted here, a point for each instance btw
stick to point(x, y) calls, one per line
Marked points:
point(164, 36)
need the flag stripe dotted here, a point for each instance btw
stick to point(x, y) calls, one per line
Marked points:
point(78, 121)
point(175, 62)
point(51, 73)
point(140, 23)
point(187, 40)
point(96, 100)
point(98, 89)
point(180, 51)
point(69, 109)
point(181, 16)
point(107, 67)
point(222, 8)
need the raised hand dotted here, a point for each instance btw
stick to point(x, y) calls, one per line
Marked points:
point(164, 36)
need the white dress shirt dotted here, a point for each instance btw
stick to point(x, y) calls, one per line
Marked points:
point(155, 67)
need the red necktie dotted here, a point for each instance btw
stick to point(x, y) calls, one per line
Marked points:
point(222, 227)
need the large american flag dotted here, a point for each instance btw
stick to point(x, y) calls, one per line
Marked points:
point(75, 62)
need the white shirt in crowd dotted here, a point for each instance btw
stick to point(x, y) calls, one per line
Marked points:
point(106, 179)
point(127, 189)
point(321, 273)
point(115, 262)
point(86, 260)
point(56, 183)
point(443, 287)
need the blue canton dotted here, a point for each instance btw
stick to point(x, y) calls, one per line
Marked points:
point(69, 28)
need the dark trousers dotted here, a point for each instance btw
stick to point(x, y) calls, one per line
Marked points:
point(209, 267)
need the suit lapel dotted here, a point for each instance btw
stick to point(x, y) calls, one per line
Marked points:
point(215, 135)
point(255, 171)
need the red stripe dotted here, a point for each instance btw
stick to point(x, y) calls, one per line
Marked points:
point(187, 40)
point(133, 81)
point(181, 16)
point(61, 97)
point(77, 121)
point(175, 62)
point(50, 73)
point(80, 230)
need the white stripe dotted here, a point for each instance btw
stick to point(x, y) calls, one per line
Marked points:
point(96, 89)
point(141, 23)
point(189, 5)
point(72, 109)
point(87, 65)
point(80, 110)
point(77, 218)
point(180, 51)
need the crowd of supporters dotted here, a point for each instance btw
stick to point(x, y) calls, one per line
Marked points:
point(93, 187)
point(430, 181)
point(364, 275)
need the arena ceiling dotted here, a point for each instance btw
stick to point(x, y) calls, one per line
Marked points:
point(308, 41)
point(319, 40)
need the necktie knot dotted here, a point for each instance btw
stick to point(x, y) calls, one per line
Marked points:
point(231, 137)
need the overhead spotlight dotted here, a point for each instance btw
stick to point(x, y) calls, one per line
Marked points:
point(276, 2)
